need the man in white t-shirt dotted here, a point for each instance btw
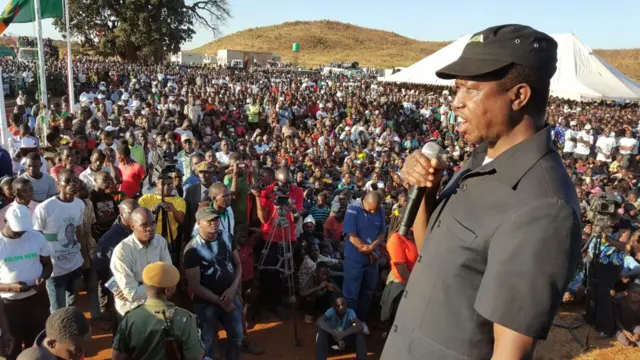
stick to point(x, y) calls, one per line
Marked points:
point(222, 157)
point(605, 145)
point(570, 138)
point(628, 147)
point(584, 141)
point(24, 269)
point(57, 219)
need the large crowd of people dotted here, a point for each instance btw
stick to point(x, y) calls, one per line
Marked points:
point(176, 181)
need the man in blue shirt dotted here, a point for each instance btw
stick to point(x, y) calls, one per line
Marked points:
point(365, 227)
point(342, 324)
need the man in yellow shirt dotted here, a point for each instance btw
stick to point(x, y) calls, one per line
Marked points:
point(174, 206)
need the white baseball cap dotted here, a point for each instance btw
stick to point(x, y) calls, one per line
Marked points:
point(18, 218)
point(28, 143)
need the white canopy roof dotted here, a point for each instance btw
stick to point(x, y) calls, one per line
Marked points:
point(581, 74)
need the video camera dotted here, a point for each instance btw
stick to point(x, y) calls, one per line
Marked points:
point(603, 208)
point(166, 166)
point(282, 200)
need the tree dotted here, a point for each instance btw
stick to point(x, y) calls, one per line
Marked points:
point(134, 29)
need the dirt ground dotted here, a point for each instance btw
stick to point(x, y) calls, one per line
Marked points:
point(276, 338)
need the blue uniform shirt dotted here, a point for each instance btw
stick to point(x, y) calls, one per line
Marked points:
point(366, 225)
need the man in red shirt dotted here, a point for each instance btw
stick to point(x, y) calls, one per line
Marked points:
point(133, 174)
point(267, 210)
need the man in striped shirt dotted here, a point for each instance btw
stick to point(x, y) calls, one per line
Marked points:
point(320, 212)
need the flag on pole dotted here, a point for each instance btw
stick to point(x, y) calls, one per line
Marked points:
point(22, 11)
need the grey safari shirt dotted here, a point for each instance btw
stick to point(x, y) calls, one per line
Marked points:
point(501, 247)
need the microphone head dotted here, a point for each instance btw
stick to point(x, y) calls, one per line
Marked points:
point(432, 150)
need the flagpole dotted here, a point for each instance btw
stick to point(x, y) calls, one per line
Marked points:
point(72, 99)
point(43, 75)
point(4, 126)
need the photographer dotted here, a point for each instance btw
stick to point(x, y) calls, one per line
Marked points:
point(606, 253)
point(165, 202)
point(271, 202)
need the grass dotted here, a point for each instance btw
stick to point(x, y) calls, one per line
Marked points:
point(324, 41)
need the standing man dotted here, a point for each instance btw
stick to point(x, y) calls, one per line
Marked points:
point(365, 226)
point(57, 219)
point(132, 255)
point(133, 174)
point(195, 195)
point(120, 230)
point(44, 185)
point(503, 237)
point(213, 270)
point(25, 267)
point(23, 193)
point(271, 280)
point(141, 333)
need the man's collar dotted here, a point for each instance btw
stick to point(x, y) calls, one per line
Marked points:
point(158, 302)
point(139, 245)
point(513, 164)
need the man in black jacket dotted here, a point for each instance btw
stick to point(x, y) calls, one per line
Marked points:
point(195, 195)
point(120, 229)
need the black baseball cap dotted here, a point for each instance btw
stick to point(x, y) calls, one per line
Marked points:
point(499, 46)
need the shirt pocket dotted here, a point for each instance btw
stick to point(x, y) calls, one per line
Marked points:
point(460, 228)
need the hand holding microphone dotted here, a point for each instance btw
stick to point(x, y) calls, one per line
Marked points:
point(423, 168)
point(421, 171)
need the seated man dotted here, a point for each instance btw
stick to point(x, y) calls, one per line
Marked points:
point(317, 293)
point(341, 324)
point(67, 334)
point(628, 317)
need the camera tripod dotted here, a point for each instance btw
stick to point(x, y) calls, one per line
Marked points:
point(167, 232)
point(285, 263)
point(591, 289)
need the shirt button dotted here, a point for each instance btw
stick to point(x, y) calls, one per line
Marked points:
point(463, 187)
point(420, 258)
point(395, 328)
point(406, 293)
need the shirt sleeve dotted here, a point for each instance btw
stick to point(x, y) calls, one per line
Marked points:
point(192, 347)
point(120, 341)
point(396, 252)
point(44, 246)
point(191, 258)
point(350, 221)
point(80, 219)
point(228, 181)
point(39, 218)
point(383, 222)
point(145, 202)
point(531, 260)
point(180, 204)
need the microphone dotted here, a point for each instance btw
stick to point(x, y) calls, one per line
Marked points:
point(432, 151)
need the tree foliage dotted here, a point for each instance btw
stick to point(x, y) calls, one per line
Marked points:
point(141, 29)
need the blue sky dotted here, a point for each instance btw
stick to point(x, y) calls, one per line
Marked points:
point(596, 24)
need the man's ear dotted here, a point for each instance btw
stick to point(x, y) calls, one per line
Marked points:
point(50, 343)
point(520, 96)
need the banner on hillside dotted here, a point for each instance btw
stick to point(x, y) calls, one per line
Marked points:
point(22, 11)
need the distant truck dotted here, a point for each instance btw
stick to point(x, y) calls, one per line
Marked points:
point(237, 64)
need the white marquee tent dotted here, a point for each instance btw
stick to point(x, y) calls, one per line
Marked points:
point(581, 74)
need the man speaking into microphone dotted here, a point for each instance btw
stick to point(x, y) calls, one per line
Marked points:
point(503, 238)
